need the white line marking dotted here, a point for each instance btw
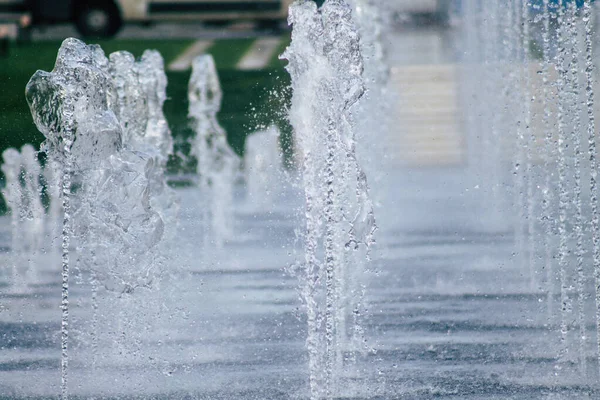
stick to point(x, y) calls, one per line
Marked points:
point(259, 54)
point(184, 61)
point(429, 126)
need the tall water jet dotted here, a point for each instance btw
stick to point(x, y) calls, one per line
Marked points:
point(54, 99)
point(561, 114)
point(218, 164)
point(23, 194)
point(51, 178)
point(369, 16)
point(521, 158)
point(326, 68)
point(111, 218)
point(13, 194)
point(141, 92)
point(140, 88)
point(593, 159)
point(35, 214)
point(129, 184)
point(563, 83)
point(528, 144)
point(378, 103)
point(472, 59)
point(491, 71)
point(157, 135)
point(546, 216)
point(576, 133)
point(263, 165)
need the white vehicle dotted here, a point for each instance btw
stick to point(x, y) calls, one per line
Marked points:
point(105, 17)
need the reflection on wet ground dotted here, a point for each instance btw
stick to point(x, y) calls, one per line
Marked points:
point(449, 315)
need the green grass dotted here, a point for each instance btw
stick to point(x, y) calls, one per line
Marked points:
point(227, 53)
point(252, 100)
point(16, 125)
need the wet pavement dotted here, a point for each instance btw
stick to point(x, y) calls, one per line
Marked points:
point(450, 314)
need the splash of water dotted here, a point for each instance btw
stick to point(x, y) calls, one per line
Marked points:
point(141, 92)
point(110, 214)
point(218, 164)
point(326, 66)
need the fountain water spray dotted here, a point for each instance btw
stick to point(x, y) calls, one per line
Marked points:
point(141, 92)
point(563, 83)
point(528, 141)
point(13, 194)
point(326, 68)
point(557, 158)
point(35, 214)
point(378, 102)
point(576, 134)
point(491, 71)
point(547, 195)
point(372, 27)
point(53, 99)
point(263, 164)
point(110, 215)
point(29, 225)
point(522, 157)
point(218, 165)
point(594, 226)
point(51, 177)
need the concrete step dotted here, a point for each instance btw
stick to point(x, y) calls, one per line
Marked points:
point(429, 129)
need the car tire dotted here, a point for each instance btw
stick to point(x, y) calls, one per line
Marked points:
point(428, 19)
point(216, 23)
point(269, 25)
point(98, 19)
point(441, 18)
